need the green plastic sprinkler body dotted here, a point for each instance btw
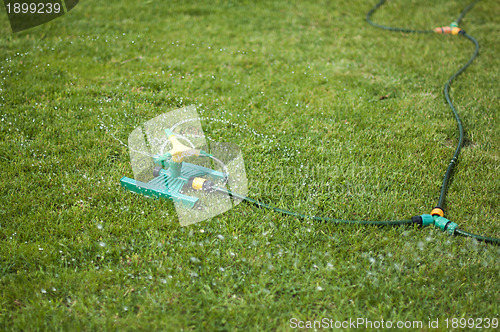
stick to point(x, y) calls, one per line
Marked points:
point(172, 174)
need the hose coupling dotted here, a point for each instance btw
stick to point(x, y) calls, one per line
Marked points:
point(453, 29)
point(440, 222)
point(202, 184)
point(445, 225)
point(423, 220)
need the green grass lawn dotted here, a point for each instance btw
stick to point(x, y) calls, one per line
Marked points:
point(297, 86)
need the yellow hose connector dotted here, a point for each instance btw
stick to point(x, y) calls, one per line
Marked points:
point(198, 183)
point(437, 211)
point(448, 30)
point(453, 29)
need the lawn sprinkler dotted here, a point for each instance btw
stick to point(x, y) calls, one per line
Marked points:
point(172, 174)
point(187, 175)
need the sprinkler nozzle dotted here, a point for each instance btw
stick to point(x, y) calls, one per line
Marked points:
point(179, 151)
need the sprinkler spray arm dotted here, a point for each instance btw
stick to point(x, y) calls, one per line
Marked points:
point(178, 152)
point(173, 159)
